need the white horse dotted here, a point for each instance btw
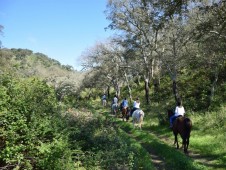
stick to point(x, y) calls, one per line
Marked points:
point(104, 102)
point(114, 108)
point(138, 116)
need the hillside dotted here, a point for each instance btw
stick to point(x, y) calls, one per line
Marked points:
point(25, 63)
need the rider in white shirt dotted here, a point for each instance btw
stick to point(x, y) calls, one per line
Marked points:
point(179, 111)
point(115, 100)
point(136, 105)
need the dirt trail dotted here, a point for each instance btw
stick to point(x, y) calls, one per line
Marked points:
point(157, 162)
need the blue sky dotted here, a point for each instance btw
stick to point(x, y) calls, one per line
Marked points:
point(61, 29)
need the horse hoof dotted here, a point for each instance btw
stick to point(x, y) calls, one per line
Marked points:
point(186, 152)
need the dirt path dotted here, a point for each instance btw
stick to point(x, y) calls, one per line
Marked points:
point(157, 161)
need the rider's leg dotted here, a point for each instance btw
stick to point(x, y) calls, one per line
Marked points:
point(171, 120)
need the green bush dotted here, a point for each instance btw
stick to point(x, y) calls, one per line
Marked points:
point(28, 118)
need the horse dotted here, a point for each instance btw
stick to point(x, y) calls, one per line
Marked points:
point(114, 108)
point(181, 125)
point(104, 102)
point(138, 116)
point(125, 113)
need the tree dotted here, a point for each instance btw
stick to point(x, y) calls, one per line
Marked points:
point(100, 60)
point(209, 23)
point(136, 21)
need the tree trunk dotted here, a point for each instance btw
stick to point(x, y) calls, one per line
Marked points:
point(147, 91)
point(156, 83)
point(128, 86)
point(212, 90)
point(108, 91)
point(117, 89)
point(175, 91)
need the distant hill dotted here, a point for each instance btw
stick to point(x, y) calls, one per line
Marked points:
point(25, 63)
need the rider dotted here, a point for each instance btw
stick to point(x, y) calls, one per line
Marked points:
point(115, 100)
point(104, 100)
point(179, 111)
point(136, 105)
point(124, 103)
point(114, 103)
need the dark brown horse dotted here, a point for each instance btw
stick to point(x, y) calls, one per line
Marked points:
point(125, 113)
point(181, 125)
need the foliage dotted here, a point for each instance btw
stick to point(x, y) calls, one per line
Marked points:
point(36, 135)
point(28, 124)
point(103, 145)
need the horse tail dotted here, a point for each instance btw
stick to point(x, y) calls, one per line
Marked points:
point(188, 126)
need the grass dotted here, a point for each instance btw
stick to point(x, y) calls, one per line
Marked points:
point(207, 141)
point(174, 159)
point(208, 136)
point(141, 157)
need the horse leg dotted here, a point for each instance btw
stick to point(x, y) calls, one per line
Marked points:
point(186, 145)
point(141, 121)
point(140, 126)
point(127, 118)
point(112, 110)
point(127, 114)
point(133, 123)
point(115, 112)
point(177, 144)
point(122, 116)
point(175, 140)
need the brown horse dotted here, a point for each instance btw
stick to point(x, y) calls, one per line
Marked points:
point(125, 113)
point(181, 125)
